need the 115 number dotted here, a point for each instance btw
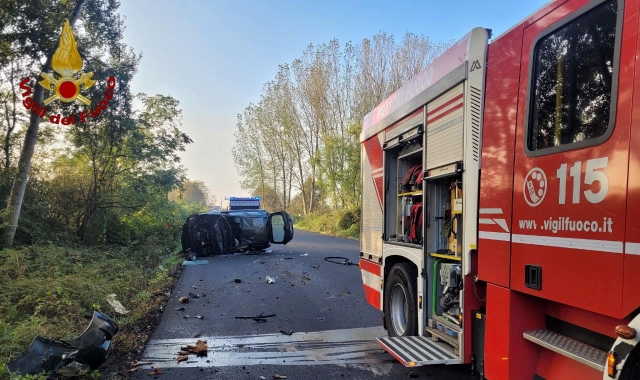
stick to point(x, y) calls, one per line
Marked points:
point(592, 174)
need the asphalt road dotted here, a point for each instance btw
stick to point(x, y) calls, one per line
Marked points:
point(323, 304)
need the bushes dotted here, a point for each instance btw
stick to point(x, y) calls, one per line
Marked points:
point(48, 289)
point(343, 223)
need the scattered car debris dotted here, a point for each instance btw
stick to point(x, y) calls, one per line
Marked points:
point(258, 316)
point(304, 254)
point(200, 349)
point(179, 308)
point(76, 357)
point(270, 280)
point(183, 299)
point(276, 376)
point(186, 316)
point(116, 305)
point(141, 363)
point(286, 332)
point(339, 260)
point(263, 378)
point(156, 371)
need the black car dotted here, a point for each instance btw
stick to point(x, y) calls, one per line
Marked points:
point(214, 233)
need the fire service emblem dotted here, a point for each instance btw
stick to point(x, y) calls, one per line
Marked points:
point(69, 83)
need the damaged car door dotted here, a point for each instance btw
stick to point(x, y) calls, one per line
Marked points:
point(280, 227)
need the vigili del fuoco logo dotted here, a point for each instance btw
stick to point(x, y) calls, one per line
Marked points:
point(68, 86)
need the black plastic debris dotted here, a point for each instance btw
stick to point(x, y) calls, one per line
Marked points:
point(73, 358)
point(258, 316)
point(339, 260)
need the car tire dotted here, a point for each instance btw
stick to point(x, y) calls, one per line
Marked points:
point(400, 301)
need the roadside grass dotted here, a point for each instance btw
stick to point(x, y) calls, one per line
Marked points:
point(342, 223)
point(51, 291)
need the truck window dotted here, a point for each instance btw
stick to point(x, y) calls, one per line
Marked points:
point(573, 82)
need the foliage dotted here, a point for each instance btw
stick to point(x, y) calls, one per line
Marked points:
point(96, 218)
point(298, 146)
point(343, 223)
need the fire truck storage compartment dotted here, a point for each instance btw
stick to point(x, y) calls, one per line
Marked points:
point(443, 237)
point(443, 227)
point(403, 201)
point(445, 128)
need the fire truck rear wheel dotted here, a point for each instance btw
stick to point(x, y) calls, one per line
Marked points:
point(400, 301)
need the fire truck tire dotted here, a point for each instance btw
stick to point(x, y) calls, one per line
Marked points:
point(400, 301)
point(631, 369)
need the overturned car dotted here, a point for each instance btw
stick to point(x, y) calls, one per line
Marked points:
point(214, 233)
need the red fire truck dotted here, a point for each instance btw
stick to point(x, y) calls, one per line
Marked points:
point(499, 189)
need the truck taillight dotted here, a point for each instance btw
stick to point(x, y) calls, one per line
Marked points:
point(611, 364)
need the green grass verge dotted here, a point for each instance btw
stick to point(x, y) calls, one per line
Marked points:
point(342, 223)
point(49, 290)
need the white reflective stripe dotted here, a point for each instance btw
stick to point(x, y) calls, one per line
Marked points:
point(377, 170)
point(632, 248)
point(502, 223)
point(490, 211)
point(370, 279)
point(573, 243)
point(503, 236)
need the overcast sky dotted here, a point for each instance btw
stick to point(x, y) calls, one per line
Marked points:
point(214, 56)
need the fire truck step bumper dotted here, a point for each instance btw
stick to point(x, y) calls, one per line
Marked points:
point(568, 347)
point(413, 351)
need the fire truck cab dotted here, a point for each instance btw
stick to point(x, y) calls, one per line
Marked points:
point(499, 200)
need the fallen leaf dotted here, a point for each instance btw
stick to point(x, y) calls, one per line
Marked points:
point(181, 353)
point(182, 358)
point(276, 376)
point(183, 299)
point(263, 378)
point(156, 371)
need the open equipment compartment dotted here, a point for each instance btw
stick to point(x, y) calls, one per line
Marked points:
point(443, 236)
point(404, 155)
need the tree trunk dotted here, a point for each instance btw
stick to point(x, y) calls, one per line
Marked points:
point(14, 205)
